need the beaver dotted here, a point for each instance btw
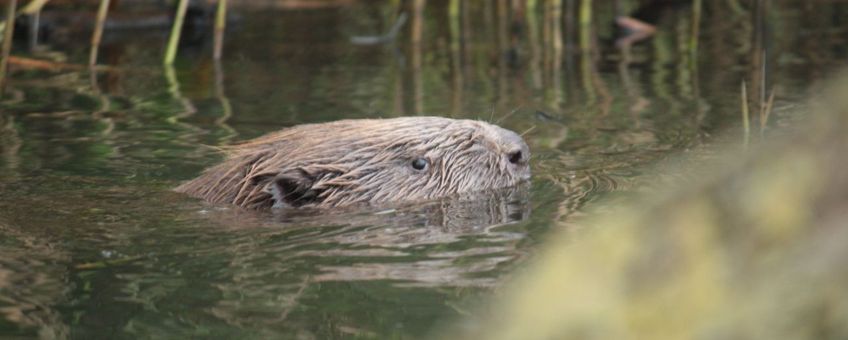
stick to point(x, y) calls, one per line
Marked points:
point(345, 162)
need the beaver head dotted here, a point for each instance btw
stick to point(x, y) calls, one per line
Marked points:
point(365, 160)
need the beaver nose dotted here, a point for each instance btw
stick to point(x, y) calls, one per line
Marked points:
point(516, 157)
point(515, 149)
point(517, 153)
point(510, 146)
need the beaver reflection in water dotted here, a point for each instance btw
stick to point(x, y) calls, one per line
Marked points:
point(365, 161)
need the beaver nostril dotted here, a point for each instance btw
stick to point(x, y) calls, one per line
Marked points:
point(515, 157)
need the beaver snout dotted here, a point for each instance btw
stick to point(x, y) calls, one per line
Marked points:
point(514, 150)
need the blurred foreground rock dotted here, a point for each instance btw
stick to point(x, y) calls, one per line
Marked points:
point(757, 249)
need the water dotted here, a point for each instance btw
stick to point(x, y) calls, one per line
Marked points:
point(95, 245)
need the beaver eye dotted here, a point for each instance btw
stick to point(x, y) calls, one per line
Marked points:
point(419, 164)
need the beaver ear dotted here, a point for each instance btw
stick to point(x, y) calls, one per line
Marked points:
point(293, 189)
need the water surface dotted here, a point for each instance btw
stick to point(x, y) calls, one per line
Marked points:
point(93, 244)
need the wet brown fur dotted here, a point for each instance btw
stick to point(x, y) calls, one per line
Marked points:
point(367, 160)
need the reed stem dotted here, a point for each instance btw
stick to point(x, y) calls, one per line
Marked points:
point(98, 32)
point(220, 24)
point(176, 30)
point(8, 32)
point(585, 21)
point(696, 30)
point(33, 7)
point(746, 122)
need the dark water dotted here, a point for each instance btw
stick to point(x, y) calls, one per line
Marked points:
point(94, 245)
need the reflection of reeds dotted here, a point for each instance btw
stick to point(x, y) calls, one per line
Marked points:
point(454, 18)
point(34, 19)
point(33, 274)
point(638, 102)
point(33, 10)
point(586, 67)
point(735, 7)
point(174, 90)
point(693, 55)
point(535, 49)
point(555, 24)
point(10, 143)
point(292, 300)
point(226, 107)
point(414, 54)
point(501, 44)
